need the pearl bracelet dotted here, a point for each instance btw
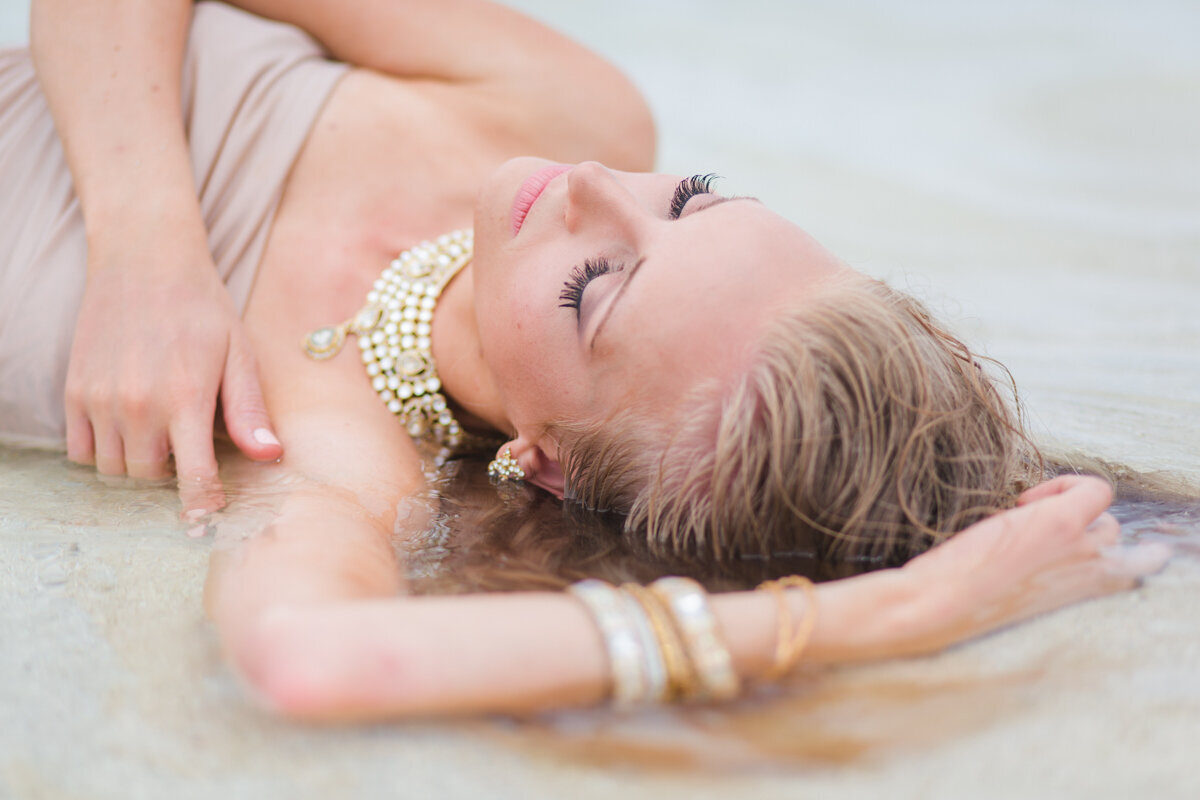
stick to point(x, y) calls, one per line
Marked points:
point(681, 674)
point(638, 673)
point(653, 661)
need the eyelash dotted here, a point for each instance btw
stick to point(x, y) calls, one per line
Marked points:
point(689, 188)
point(572, 293)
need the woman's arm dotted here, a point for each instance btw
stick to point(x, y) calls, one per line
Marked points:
point(157, 336)
point(350, 650)
point(526, 79)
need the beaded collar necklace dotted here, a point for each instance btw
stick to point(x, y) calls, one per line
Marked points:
point(393, 331)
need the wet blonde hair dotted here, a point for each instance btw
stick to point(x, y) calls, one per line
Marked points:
point(862, 432)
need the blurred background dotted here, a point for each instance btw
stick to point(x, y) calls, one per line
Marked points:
point(14, 22)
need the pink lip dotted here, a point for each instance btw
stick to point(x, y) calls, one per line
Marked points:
point(531, 190)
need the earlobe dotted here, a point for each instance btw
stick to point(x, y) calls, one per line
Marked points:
point(540, 468)
point(549, 475)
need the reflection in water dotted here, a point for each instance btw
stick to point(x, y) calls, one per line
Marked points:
point(472, 535)
point(488, 538)
point(505, 537)
point(1176, 522)
point(838, 719)
point(465, 535)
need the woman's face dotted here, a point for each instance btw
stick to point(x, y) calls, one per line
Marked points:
point(616, 289)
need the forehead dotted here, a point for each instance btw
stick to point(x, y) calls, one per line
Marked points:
point(697, 304)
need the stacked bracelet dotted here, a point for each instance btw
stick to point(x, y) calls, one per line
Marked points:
point(625, 640)
point(681, 677)
point(664, 645)
point(688, 603)
point(662, 642)
point(657, 686)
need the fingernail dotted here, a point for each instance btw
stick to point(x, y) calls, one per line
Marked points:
point(197, 532)
point(194, 514)
point(264, 436)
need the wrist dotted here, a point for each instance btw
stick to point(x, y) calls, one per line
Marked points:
point(865, 618)
point(157, 223)
point(137, 191)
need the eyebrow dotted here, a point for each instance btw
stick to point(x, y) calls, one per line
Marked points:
point(633, 270)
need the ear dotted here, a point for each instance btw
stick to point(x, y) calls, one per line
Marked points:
point(541, 468)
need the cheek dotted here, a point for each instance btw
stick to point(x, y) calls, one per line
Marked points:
point(543, 375)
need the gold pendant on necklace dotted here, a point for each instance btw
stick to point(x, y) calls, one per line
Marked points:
point(326, 342)
point(394, 330)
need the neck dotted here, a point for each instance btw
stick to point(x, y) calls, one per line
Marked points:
point(466, 380)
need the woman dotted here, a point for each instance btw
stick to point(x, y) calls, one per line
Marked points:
point(554, 335)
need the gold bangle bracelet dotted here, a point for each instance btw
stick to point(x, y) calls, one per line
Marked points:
point(654, 666)
point(688, 604)
point(681, 673)
point(789, 643)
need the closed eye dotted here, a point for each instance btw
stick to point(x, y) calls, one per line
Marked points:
point(572, 294)
point(689, 188)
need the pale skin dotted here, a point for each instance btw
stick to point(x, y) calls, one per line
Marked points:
point(130, 405)
point(311, 610)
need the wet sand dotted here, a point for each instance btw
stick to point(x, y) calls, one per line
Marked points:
point(1030, 170)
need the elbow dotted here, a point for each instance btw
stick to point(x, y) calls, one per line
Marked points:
point(643, 141)
point(271, 656)
point(633, 136)
point(315, 664)
point(612, 121)
point(292, 667)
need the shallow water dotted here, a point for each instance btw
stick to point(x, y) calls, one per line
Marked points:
point(1031, 169)
point(102, 628)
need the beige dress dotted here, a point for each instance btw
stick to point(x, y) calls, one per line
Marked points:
point(252, 90)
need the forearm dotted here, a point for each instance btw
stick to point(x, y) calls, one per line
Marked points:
point(311, 614)
point(340, 656)
point(864, 618)
point(111, 74)
point(514, 653)
point(447, 40)
point(523, 79)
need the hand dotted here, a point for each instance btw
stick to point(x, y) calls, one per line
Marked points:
point(1057, 547)
point(156, 340)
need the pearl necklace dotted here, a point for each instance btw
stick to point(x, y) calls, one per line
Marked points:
point(393, 331)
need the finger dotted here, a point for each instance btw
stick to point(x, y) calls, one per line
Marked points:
point(80, 444)
point(242, 402)
point(1055, 486)
point(1138, 561)
point(110, 450)
point(1104, 531)
point(146, 455)
point(1075, 501)
point(1045, 489)
point(200, 488)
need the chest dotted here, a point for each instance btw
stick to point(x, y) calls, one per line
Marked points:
point(384, 168)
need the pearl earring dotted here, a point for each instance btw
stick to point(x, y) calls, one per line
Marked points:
point(506, 468)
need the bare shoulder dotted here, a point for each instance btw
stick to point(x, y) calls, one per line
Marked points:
point(527, 86)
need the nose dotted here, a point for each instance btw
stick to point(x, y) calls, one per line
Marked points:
point(596, 197)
